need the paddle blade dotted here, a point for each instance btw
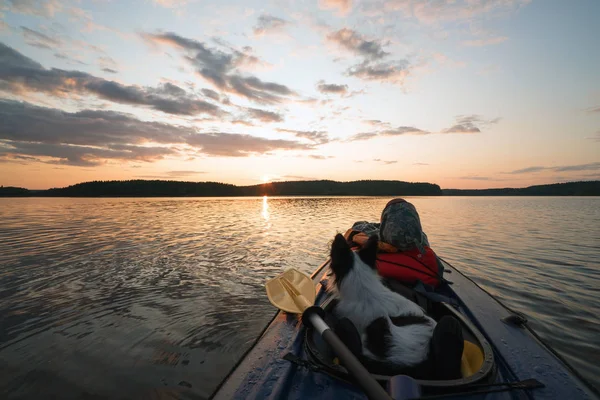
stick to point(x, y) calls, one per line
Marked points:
point(293, 291)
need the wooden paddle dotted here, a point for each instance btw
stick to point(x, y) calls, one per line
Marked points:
point(294, 292)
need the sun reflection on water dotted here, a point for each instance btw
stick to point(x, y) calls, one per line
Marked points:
point(265, 208)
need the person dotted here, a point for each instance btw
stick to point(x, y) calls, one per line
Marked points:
point(405, 254)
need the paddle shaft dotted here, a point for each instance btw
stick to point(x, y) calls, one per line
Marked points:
point(371, 387)
point(311, 315)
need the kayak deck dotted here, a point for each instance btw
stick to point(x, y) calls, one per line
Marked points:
point(519, 355)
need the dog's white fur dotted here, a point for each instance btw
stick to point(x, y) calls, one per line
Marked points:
point(364, 298)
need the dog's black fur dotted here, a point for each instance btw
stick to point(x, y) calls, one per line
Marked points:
point(341, 258)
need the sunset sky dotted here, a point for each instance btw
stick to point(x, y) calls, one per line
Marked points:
point(462, 93)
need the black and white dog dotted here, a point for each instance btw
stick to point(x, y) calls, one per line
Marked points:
point(392, 328)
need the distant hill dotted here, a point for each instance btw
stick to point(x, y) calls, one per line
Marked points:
point(9, 191)
point(144, 188)
point(158, 188)
point(588, 188)
point(333, 188)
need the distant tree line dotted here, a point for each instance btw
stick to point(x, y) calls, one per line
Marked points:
point(10, 191)
point(158, 188)
point(588, 188)
point(333, 188)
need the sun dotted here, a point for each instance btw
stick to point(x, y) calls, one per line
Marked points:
point(265, 178)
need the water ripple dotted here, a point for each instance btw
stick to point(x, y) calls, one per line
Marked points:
point(127, 298)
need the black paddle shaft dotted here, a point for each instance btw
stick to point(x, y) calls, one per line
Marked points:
point(312, 316)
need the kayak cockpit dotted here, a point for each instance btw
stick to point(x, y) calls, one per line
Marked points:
point(477, 362)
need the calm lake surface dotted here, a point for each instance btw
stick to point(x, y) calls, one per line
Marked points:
point(158, 298)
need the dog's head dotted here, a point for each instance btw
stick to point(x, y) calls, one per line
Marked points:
point(344, 261)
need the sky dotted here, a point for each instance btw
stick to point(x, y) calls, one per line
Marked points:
point(462, 93)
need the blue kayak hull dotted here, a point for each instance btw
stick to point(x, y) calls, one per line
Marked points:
point(263, 373)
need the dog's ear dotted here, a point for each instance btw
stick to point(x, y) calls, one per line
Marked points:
point(368, 254)
point(341, 257)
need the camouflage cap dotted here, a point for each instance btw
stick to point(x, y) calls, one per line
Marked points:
point(401, 226)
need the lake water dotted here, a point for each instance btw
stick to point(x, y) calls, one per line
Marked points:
point(158, 298)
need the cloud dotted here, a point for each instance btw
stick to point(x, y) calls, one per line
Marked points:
point(222, 69)
point(581, 167)
point(470, 124)
point(90, 137)
point(240, 145)
point(20, 74)
point(242, 122)
point(432, 12)
point(363, 136)
point(385, 161)
point(372, 67)
point(81, 156)
point(40, 40)
point(594, 109)
point(106, 62)
point(443, 17)
point(61, 56)
point(343, 6)
point(319, 157)
point(264, 116)
point(401, 130)
point(465, 124)
point(563, 168)
point(485, 42)
point(357, 44)
point(39, 8)
point(420, 163)
point(318, 137)
point(110, 71)
point(391, 71)
point(267, 24)
point(332, 88)
point(183, 173)
point(211, 94)
point(30, 123)
point(257, 90)
point(527, 170)
point(377, 122)
point(462, 128)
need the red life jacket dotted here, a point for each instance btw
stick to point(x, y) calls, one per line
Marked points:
point(410, 266)
point(404, 266)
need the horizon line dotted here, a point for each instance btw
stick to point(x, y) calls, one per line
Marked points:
point(296, 181)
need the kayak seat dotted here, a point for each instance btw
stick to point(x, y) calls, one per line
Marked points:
point(471, 360)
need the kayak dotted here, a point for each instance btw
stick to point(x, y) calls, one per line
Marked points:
point(503, 358)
